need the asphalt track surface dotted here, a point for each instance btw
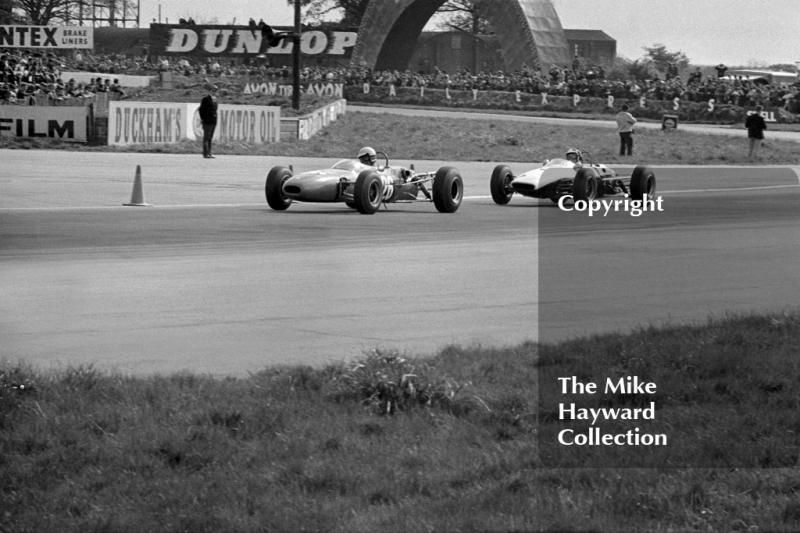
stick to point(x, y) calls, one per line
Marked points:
point(211, 280)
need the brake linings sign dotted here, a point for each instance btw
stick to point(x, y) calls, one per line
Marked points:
point(160, 123)
point(46, 37)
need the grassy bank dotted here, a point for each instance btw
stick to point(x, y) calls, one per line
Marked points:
point(392, 443)
point(423, 138)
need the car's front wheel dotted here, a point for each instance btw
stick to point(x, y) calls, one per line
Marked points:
point(448, 190)
point(368, 192)
point(500, 185)
point(584, 186)
point(643, 183)
point(274, 188)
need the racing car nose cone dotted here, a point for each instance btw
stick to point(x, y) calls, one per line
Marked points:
point(312, 188)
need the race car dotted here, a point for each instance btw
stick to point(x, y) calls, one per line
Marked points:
point(365, 187)
point(561, 177)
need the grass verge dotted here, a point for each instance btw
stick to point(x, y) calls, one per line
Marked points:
point(396, 443)
point(423, 138)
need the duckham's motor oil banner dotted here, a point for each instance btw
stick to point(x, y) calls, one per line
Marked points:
point(247, 124)
point(46, 37)
point(241, 41)
point(159, 123)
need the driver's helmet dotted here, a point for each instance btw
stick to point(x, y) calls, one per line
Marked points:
point(574, 155)
point(367, 156)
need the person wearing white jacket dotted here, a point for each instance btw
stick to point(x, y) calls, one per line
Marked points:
point(625, 122)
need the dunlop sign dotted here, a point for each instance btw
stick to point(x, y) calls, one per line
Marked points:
point(242, 123)
point(60, 123)
point(147, 123)
point(65, 37)
point(227, 41)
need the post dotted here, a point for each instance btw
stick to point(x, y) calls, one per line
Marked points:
point(296, 53)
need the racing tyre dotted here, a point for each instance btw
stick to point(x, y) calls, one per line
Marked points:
point(368, 192)
point(643, 183)
point(448, 190)
point(501, 185)
point(274, 188)
point(584, 187)
point(351, 205)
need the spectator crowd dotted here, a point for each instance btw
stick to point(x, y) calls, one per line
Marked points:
point(25, 73)
point(31, 77)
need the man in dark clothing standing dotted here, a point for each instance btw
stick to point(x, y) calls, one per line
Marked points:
point(208, 116)
point(755, 125)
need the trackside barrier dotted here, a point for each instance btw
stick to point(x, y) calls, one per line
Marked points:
point(307, 126)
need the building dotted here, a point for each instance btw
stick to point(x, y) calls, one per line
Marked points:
point(452, 51)
point(593, 46)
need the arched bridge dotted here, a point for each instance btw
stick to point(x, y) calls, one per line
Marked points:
point(529, 31)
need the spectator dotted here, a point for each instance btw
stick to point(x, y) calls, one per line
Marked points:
point(755, 125)
point(208, 116)
point(625, 122)
point(721, 69)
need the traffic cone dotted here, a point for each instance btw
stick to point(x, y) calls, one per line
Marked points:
point(137, 197)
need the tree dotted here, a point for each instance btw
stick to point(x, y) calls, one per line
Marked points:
point(7, 15)
point(462, 15)
point(783, 67)
point(349, 12)
point(661, 57)
point(50, 12)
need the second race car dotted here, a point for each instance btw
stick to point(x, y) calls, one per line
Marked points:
point(563, 177)
point(364, 186)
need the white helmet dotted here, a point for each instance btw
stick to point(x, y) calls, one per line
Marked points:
point(367, 152)
point(576, 153)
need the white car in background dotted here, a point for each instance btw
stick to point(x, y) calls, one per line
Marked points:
point(561, 177)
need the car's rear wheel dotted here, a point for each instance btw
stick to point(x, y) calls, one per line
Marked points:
point(584, 186)
point(448, 190)
point(643, 183)
point(274, 188)
point(368, 192)
point(500, 185)
point(351, 205)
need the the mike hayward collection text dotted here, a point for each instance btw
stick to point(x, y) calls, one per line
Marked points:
point(595, 436)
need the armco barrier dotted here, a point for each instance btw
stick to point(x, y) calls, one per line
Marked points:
point(307, 126)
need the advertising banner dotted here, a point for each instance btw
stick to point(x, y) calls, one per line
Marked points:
point(248, 124)
point(241, 41)
point(64, 37)
point(51, 122)
point(286, 89)
point(148, 123)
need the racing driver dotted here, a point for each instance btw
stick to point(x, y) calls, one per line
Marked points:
point(367, 156)
point(574, 155)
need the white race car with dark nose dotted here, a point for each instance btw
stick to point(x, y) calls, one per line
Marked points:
point(560, 177)
point(365, 188)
